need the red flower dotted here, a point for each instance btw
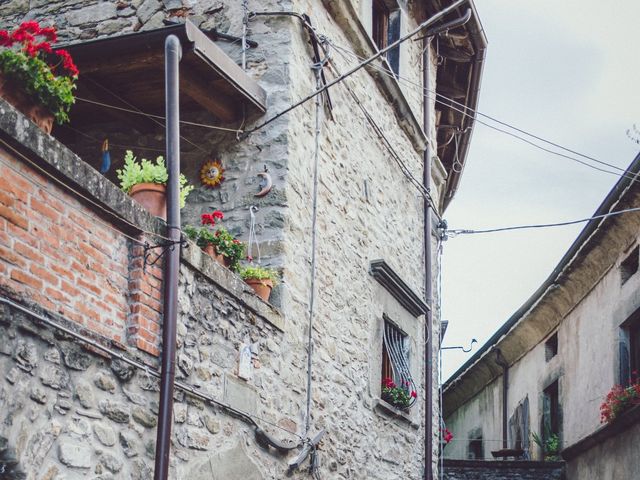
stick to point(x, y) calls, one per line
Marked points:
point(207, 219)
point(217, 214)
point(67, 62)
point(414, 394)
point(22, 36)
point(31, 26)
point(44, 47)
point(50, 34)
point(5, 39)
point(250, 258)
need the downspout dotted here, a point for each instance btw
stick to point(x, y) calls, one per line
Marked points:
point(502, 362)
point(428, 250)
point(173, 53)
point(428, 267)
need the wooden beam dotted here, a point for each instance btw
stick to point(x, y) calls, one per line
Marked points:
point(214, 101)
point(122, 64)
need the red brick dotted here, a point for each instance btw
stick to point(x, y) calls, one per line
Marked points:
point(69, 289)
point(23, 277)
point(14, 217)
point(44, 210)
point(45, 275)
point(6, 200)
point(18, 187)
point(57, 295)
point(9, 256)
point(22, 234)
point(92, 287)
point(63, 272)
point(28, 252)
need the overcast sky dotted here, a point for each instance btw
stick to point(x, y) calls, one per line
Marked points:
point(568, 71)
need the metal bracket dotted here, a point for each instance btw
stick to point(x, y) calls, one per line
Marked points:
point(165, 246)
point(459, 347)
point(309, 448)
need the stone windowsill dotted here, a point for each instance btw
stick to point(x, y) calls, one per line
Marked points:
point(113, 205)
point(623, 422)
point(388, 410)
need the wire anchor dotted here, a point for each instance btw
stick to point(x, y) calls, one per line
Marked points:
point(165, 246)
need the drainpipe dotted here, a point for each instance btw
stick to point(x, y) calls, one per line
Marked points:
point(428, 267)
point(502, 362)
point(173, 53)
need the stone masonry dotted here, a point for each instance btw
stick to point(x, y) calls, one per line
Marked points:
point(367, 210)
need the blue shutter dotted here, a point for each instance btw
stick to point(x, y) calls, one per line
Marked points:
point(393, 55)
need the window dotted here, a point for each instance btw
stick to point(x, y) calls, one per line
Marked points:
point(475, 447)
point(551, 424)
point(629, 349)
point(395, 362)
point(385, 30)
point(629, 265)
point(551, 347)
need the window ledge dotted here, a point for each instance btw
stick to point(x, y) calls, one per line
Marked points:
point(623, 422)
point(387, 410)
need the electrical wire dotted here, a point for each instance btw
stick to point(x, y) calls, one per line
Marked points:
point(161, 117)
point(464, 109)
point(361, 65)
point(189, 389)
point(455, 232)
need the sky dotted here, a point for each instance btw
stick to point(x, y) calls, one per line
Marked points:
point(567, 71)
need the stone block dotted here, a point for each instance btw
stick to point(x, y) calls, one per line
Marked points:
point(92, 14)
point(240, 395)
point(74, 454)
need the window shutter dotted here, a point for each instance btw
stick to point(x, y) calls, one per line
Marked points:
point(393, 55)
point(546, 417)
point(624, 363)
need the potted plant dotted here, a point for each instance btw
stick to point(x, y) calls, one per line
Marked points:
point(399, 396)
point(261, 279)
point(619, 399)
point(550, 446)
point(219, 244)
point(145, 182)
point(35, 79)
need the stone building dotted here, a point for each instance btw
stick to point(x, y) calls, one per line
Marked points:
point(81, 280)
point(551, 365)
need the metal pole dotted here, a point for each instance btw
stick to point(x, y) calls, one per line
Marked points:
point(173, 53)
point(428, 279)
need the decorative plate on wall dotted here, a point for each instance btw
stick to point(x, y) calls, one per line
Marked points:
point(211, 173)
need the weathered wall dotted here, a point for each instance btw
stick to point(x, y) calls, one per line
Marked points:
point(498, 470)
point(367, 209)
point(614, 457)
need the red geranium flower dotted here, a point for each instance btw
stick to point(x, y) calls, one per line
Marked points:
point(5, 39)
point(31, 26)
point(217, 214)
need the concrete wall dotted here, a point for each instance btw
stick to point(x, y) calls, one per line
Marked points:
point(367, 209)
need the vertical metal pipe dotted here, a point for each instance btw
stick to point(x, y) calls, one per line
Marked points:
point(428, 271)
point(505, 396)
point(173, 53)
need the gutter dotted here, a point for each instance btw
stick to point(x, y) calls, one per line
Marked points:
point(619, 190)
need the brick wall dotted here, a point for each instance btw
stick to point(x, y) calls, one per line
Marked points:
point(58, 253)
point(502, 470)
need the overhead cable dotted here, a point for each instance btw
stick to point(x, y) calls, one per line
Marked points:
point(455, 232)
point(477, 113)
point(361, 65)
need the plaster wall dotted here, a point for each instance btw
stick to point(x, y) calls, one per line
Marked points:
point(586, 366)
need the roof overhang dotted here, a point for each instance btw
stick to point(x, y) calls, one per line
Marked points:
point(462, 51)
point(128, 70)
point(589, 257)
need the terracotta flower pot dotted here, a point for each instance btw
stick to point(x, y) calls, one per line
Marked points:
point(210, 250)
point(16, 96)
point(152, 197)
point(262, 287)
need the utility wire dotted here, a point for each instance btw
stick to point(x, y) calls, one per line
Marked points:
point(477, 113)
point(456, 232)
point(160, 117)
point(189, 389)
point(361, 65)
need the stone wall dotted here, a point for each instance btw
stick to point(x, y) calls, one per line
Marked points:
point(504, 470)
point(367, 210)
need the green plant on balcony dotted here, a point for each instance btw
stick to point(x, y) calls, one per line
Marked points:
point(550, 446)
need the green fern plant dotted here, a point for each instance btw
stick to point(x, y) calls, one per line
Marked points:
point(259, 273)
point(135, 172)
